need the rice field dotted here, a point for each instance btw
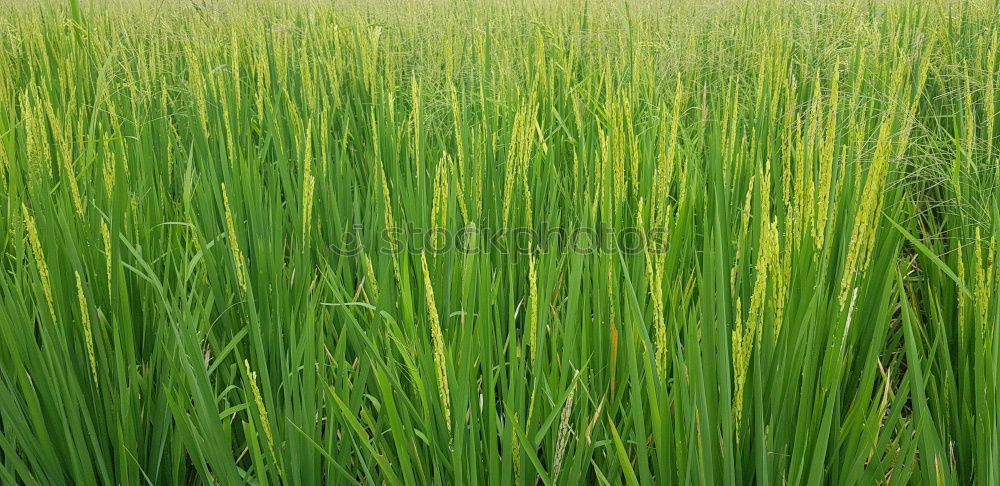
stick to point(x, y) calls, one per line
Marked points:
point(499, 242)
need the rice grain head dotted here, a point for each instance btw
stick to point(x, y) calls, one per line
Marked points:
point(438, 343)
point(43, 269)
point(234, 246)
point(88, 334)
point(532, 309)
point(262, 411)
point(562, 436)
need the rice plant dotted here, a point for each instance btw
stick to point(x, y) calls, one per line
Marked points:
point(499, 242)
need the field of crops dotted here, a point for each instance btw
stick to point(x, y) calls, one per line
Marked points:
point(499, 242)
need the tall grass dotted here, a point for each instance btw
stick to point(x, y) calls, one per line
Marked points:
point(178, 183)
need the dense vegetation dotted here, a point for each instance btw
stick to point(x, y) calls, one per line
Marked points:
point(498, 242)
